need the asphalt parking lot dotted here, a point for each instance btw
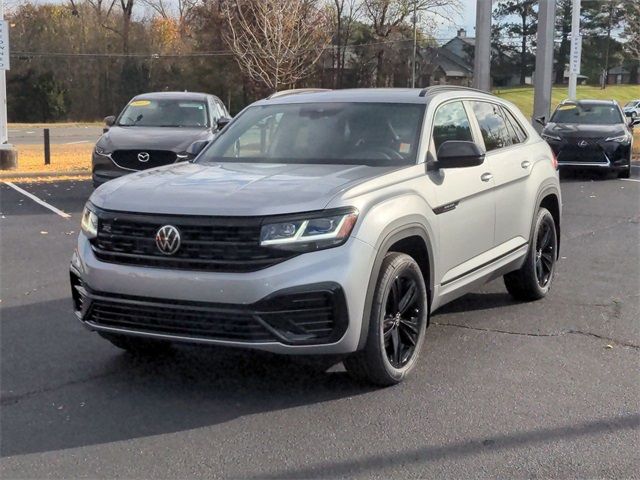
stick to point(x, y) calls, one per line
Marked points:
point(503, 389)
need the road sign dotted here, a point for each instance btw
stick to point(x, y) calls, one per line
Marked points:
point(4, 45)
point(576, 53)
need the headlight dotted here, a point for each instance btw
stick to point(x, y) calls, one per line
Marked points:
point(102, 151)
point(313, 232)
point(548, 136)
point(89, 223)
point(619, 139)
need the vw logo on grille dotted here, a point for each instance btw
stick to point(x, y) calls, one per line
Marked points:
point(143, 157)
point(583, 143)
point(168, 239)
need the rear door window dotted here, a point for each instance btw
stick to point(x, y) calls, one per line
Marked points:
point(492, 125)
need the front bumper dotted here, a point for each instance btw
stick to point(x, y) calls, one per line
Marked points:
point(597, 155)
point(251, 310)
point(104, 169)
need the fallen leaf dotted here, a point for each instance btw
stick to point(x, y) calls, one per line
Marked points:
point(42, 232)
point(609, 347)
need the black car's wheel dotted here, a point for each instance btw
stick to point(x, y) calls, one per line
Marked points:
point(533, 280)
point(626, 170)
point(138, 345)
point(397, 326)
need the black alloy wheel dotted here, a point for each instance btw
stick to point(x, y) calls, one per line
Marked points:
point(545, 252)
point(401, 325)
point(397, 323)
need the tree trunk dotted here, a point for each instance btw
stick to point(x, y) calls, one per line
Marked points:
point(379, 69)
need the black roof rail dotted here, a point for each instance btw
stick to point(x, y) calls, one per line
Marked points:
point(444, 88)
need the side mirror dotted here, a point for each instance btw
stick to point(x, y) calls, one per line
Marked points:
point(223, 122)
point(196, 147)
point(541, 120)
point(109, 122)
point(459, 154)
point(634, 121)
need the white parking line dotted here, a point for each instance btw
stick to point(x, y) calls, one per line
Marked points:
point(74, 143)
point(37, 200)
point(629, 179)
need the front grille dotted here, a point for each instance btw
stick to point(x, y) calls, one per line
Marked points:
point(297, 318)
point(130, 158)
point(589, 154)
point(222, 244)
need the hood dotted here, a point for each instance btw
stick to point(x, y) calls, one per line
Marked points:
point(573, 130)
point(230, 189)
point(152, 138)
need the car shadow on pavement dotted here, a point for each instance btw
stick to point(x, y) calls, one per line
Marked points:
point(375, 464)
point(65, 387)
point(478, 301)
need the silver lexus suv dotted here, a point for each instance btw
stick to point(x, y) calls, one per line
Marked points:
point(325, 223)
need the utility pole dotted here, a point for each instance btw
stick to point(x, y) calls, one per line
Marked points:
point(576, 49)
point(544, 61)
point(415, 44)
point(7, 153)
point(482, 54)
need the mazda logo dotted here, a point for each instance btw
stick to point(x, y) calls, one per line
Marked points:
point(168, 239)
point(583, 143)
point(143, 157)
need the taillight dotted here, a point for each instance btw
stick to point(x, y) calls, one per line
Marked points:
point(554, 160)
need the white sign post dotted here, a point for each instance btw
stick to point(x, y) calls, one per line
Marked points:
point(576, 49)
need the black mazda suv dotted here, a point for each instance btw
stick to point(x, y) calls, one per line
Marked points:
point(591, 134)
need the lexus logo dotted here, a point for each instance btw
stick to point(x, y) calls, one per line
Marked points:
point(583, 143)
point(143, 157)
point(168, 239)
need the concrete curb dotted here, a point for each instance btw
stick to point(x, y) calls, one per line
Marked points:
point(67, 173)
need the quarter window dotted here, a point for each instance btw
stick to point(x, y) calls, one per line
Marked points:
point(492, 125)
point(513, 123)
point(451, 123)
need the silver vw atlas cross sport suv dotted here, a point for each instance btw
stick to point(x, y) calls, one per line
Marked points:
point(324, 223)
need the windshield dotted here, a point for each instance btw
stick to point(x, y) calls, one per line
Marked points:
point(164, 113)
point(587, 114)
point(632, 103)
point(373, 134)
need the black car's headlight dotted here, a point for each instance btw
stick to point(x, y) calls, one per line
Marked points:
point(102, 151)
point(619, 139)
point(548, 136)
point(310, 232)
point(89, 222)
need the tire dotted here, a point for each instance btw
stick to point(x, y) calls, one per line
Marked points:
point(138, 345)
point(626, 171)
point(396, 332)
point(533, 280)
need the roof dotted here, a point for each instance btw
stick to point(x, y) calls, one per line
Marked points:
point(373, 95)
point(172, 96)
point(619, 70)
point(468, 40)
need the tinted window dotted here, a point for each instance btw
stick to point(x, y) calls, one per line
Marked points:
point(492, 125)
point(515, 130)
point(338, 133)
point(164, 113)
point(585, 113)
point(451, 123)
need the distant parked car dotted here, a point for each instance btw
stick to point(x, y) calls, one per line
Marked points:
point(632, 109)
point(591, 134)
point(156, 129)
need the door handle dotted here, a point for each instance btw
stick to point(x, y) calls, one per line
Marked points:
point(485, 177)
point(525, 164)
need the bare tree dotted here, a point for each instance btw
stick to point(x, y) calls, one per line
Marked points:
point(276, 42)
point(387, 17)
point(345, 13)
